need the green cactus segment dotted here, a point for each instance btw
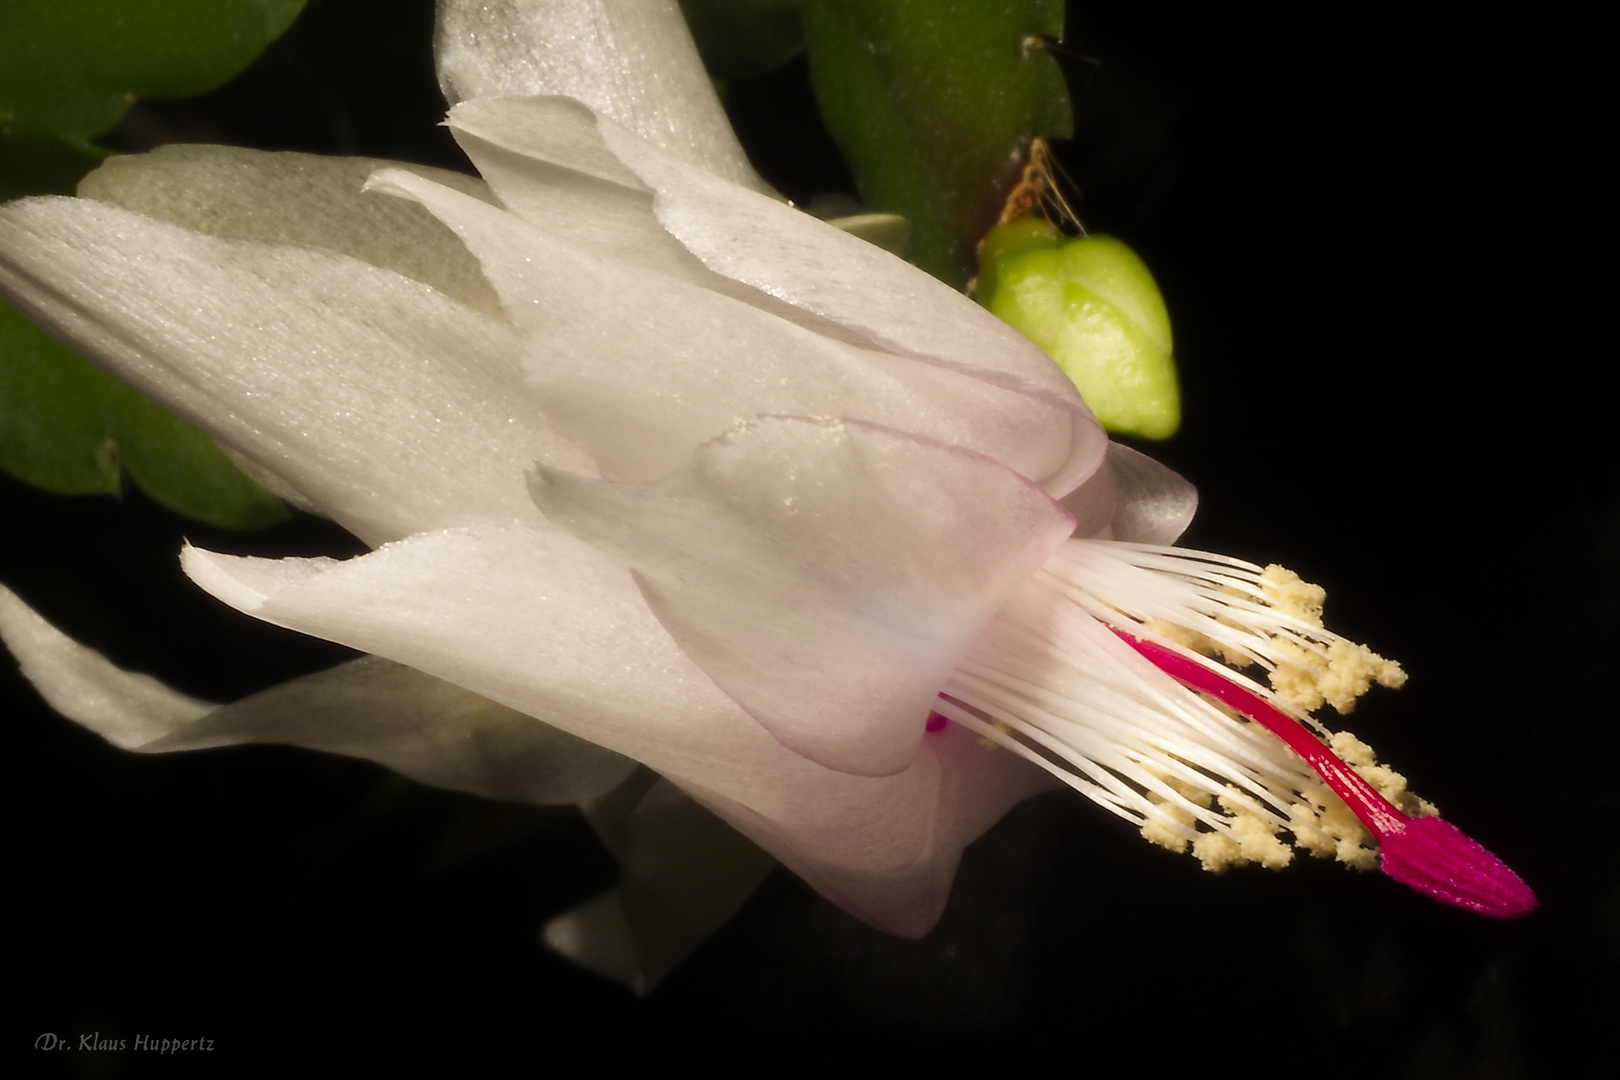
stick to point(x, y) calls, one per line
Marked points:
point(1093, 306)
point(739, 39)
point(36, 162)
point(74, 66)
point(934, 103)
point(69, 427)
point(69, 70)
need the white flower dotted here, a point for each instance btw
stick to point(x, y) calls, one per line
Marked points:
point(651, 457)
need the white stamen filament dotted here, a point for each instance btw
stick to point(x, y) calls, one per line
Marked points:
point(1051, 682)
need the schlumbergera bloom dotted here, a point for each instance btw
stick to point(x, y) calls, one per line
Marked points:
point(657, 468)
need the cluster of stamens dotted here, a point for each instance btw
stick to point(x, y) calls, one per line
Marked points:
point(1115, 670)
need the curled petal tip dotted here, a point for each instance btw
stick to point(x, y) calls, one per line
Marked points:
point(1435, 858)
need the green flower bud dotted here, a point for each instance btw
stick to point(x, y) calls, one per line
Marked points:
point(1093, 306)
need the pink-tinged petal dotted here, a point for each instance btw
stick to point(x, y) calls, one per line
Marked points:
point(632, 60)
point(548, 625)
point(392, 407)
point(970, 786)
point(1094, 502)
point(828, 575)
point(641, 369)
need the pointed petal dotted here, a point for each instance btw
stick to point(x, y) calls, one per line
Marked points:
point(546, 624)
point(760, 242)
point(827, 575)
point(529, 616)
point(683, 873)
point(1133, 499)
point(1156, 504)
point(753, 240)
point(597, 936)
point(127, 709)
point(310, 199)
point(421, 727)
point(424, 728)
point(390, 406)
point(641, 394)
point(632, 60)
point(546, 162)
point(789, 254)
point(830, 281)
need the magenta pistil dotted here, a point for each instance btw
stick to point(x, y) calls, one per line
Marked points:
point(1423, 853)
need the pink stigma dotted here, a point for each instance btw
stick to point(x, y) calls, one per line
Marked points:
point(1425, 853)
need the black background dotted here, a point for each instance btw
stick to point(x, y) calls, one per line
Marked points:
point(1380, 235)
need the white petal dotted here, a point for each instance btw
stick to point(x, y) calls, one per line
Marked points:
point(544, 623)
point(529, 616)
point(640, 369)
point(298, 199)
point(421, 727)
point(632, 60)
point(683, 873)
point(127, 709)
point(547, 163)
point(971, 786)
point(1134, 499)
point(1094, 503)
point(827, 575)
point(817, 276)
point(390, 406)
point(1155, 503)
point(758, 241)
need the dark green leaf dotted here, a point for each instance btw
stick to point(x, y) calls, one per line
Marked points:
point(183, 469)
point(66, 426)
point(739, 39)
point(935, 104)
point(73, 66)
point(38, 162)
point(68, 71)
point(54, 413)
